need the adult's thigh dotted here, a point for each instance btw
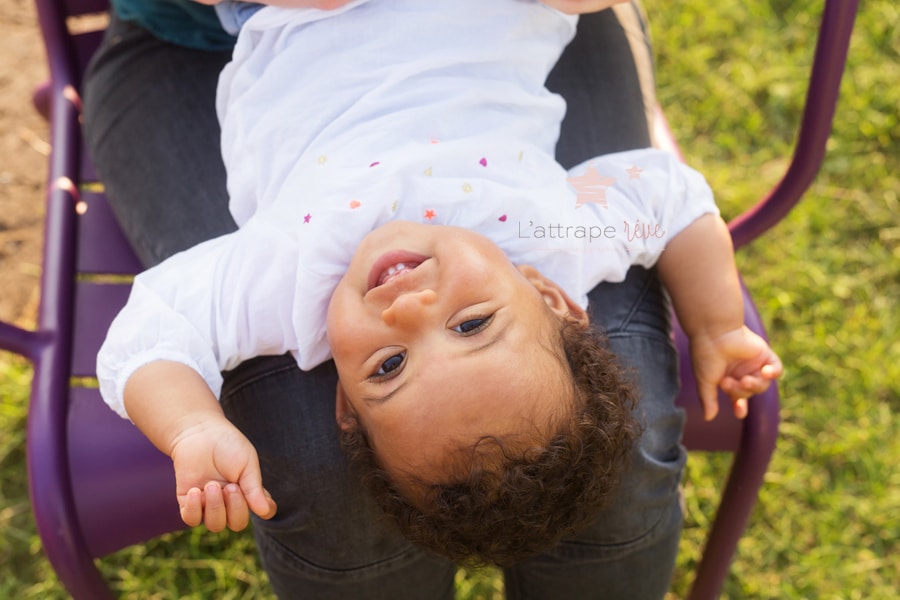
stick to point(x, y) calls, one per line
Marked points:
point(628, 552)
point(152, 132)
point(328, 540)
point(606, 77)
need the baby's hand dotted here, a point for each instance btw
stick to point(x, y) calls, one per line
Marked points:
point(580, 7)
point(217, 478)
point(739, 362)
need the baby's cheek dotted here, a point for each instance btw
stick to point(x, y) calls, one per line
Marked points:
point(338, 320)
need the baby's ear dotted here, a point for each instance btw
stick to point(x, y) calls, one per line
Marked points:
point(343, 410)
point(555, 297)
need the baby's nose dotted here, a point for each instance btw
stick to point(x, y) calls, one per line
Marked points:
point(408, 307)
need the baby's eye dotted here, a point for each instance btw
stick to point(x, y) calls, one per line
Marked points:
point(391, 364)
point(470, 326)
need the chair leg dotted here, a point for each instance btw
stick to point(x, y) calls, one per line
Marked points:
point(50, 486)
point(744, 481)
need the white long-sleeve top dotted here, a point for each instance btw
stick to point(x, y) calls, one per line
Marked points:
point(334, 123)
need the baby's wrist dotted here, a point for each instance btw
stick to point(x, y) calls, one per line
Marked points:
point(198, 424)
point(715, 332)
point(724, 342)
point(707, 319)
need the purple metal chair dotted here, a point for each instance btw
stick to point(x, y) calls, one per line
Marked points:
point(753, 440)
point(97, 485)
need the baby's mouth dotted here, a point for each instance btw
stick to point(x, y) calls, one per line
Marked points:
point(391, 265)
point(395, 271)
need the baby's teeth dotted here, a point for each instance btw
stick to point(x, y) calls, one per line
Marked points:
point(395, 269)
point(398, 267)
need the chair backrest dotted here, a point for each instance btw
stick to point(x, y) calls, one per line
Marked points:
point(753, 440)
point(97, 485)
point(85, 463)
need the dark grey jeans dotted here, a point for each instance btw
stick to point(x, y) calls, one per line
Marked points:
point(152, 132)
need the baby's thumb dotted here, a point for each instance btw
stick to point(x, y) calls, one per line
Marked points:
point(257, 497)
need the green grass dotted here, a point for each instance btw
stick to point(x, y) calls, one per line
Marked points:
point(732, 77)
point(826, 281)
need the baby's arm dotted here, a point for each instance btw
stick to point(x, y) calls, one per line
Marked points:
point(698, 269)
point(567, 6)
point(199, 313)
point(217, 474)
point(319, 4)
point(580, 7)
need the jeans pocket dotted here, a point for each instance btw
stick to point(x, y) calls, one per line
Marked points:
point(398, 572)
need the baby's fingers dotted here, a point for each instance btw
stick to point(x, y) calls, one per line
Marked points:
point(238, 515)
point(214, 514)
point(737, 393)
point(709, 399)
point(261, 503)
point(740, 407)
point(257, 497)
point(774, 369)
point(739, 390)
point(191, 507)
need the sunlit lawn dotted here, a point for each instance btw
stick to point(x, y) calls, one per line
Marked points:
point(827, 281)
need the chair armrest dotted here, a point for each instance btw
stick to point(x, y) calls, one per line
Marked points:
point(818, 114)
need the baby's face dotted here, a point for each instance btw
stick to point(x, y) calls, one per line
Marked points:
point(438, 340)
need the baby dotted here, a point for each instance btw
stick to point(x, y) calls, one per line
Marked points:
point(390, 164)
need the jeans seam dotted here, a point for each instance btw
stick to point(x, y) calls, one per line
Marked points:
point(298, 561)
point(639, 335)
point(645, 286)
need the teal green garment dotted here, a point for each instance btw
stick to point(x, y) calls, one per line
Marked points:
point(181, 22)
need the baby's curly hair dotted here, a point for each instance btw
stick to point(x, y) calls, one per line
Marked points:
point(507, 501)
